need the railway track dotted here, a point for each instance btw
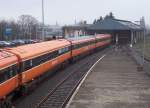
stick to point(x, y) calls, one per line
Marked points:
point(60, 95)
point(56, 96)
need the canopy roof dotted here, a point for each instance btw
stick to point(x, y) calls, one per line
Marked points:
point(114, 24)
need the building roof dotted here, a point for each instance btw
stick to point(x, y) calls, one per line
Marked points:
point(77, 26)
point(114, 24)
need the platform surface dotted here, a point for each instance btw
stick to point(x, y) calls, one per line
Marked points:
point(114, 83)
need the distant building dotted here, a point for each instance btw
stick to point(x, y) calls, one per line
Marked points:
point(123, 31)
point(75, 30)
point(50, 31)
point(53, 30)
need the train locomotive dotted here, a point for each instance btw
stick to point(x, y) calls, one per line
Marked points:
point(21, 65)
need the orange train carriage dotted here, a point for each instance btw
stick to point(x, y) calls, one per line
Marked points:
point(21, 65)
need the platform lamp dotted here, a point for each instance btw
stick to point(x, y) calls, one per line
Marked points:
point(142, 23)
point(144, 34)
point(43, 32)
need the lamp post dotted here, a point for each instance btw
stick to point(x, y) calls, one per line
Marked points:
point(144, 33)
point(43, 34)
point(142, 23)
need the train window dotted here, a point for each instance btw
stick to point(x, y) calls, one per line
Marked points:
point(39, 60)
point(100, 40)
point(67, 49)
point(104, 39)
point(2, 76)
point(14, 69)
point(28, 64)
point(60, 51)
point(63, 50)
point(55, 54)
point(35, 60)
point(70, 47)
point(49, 56)
point(8, 73)
point(74, 46)
point(45, 58)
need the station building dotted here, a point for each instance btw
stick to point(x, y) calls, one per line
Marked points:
point(122, 31)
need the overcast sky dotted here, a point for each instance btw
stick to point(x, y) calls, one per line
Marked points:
point(66, 11)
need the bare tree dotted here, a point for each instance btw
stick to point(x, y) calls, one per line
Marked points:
point(110, 16)
point(28, 25)
point(25, 28)
point(15, 29)
point(101, 18)
point(2, 29)
point(95, 21)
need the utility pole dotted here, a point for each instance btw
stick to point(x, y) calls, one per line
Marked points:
point(144, 33)
point(142, 24)
point(36, 32)
point(43, 33)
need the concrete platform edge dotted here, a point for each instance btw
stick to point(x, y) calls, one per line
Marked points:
point(77, 89)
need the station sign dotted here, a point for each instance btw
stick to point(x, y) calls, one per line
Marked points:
point(8, 31)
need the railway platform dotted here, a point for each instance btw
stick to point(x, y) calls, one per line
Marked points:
point(114, 82)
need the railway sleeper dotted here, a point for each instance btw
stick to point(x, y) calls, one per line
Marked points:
point(6, 103)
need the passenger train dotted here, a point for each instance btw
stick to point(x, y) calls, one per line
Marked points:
point(21, 65)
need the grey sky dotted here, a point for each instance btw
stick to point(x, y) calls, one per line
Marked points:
point(66, 11)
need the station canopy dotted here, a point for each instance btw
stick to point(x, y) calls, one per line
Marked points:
point(114, 24)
